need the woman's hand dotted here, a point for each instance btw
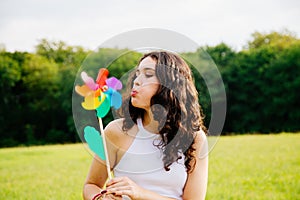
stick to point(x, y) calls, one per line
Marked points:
point(111, 197)
point(124, 186)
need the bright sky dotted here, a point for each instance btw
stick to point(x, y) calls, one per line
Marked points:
point(89, 23)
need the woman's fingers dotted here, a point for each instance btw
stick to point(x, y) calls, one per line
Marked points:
point(121, 186)
point(117, 180)
point(120, 190)
point(112, 197)
point(124, 186)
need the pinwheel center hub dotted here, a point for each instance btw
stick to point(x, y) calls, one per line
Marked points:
point(104, 88)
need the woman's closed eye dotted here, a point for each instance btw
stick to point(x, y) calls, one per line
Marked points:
point(149, 74)
point(146, 73)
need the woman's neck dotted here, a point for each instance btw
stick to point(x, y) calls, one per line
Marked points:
point(149, 123)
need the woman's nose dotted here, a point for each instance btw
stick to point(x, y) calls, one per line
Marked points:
point(137, 81)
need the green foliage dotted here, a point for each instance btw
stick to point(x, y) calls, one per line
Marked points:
point(10, 72)
point(261, 82)
point(38, 73)
point(284, 74)
point(261, 87)
point(280, 40)
point(221, 54)
point(60, 52)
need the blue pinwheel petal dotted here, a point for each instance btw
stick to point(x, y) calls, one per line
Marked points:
point(116, 100)
point(114, 83)
point(109, 92)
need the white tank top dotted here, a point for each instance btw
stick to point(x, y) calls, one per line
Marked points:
point(143, 164)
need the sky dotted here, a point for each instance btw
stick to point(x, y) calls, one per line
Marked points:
point(89, 23)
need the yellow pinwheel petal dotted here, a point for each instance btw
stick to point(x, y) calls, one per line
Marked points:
point(91, 102)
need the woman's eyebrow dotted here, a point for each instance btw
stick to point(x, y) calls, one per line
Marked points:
point(144, 69)
point(148, 68)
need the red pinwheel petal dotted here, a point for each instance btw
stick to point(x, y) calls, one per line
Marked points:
point(102, 76)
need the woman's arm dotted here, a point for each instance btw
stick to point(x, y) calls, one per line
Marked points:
point(97, 175)
point(95, 179)
point(196, 185)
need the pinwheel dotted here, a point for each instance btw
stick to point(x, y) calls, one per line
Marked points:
point(99, 95)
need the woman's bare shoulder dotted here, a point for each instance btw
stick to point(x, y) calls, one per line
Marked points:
point(114, 128)
point(115, 124)
point(201, 144)
point(117, 136)
point(200, 136)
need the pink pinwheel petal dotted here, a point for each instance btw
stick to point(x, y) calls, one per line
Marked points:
point(89, 81)
point(114, 83)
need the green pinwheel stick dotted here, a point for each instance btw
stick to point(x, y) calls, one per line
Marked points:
point(99, 95)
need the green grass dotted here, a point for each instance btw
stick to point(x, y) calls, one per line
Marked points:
point(255, 167)
point(43, 172)
point(240, 167)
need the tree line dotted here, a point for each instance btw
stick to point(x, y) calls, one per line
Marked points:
point(262, 83)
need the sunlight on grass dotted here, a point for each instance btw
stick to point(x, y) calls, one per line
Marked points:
point(255, 167)
point(44, 172)
point(241, 167)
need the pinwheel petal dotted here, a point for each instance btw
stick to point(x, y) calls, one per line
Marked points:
point(116, 100)
point(98, 93)
point(114, 83)
point(109, 91)
point(91, 102)
point(102, 97)
point(89, 81)
point(95, 141)
point(83, 90)
point(103, 109)
point(102, 76)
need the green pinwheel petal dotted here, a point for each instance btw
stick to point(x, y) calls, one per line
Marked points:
point(95, 141)
point(104, 107)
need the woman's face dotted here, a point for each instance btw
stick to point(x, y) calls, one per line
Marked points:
point(145, 84)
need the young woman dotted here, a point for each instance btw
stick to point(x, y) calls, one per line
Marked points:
point(158, 150)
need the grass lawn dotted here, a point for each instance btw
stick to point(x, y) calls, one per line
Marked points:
point(241, 167)
point(253, 167)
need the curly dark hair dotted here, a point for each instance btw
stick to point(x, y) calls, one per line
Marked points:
point(178, 100)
